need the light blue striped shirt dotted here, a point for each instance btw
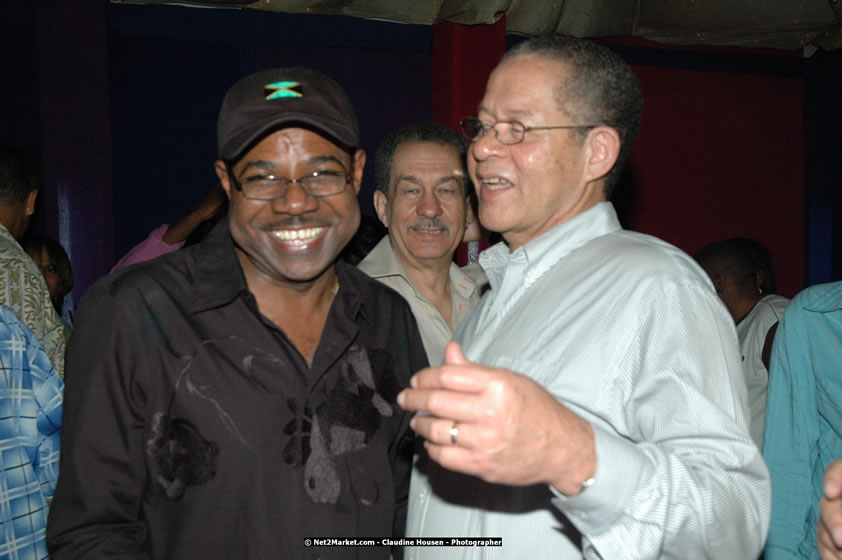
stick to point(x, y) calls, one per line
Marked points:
point(803, 417)
point(627, 332)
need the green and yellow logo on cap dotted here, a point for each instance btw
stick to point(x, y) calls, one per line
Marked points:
point(282, 89)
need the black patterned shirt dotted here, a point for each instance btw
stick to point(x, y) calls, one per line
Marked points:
point(195, 429)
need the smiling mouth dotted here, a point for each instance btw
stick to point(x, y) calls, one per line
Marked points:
point(495, 183)
point(298, 236)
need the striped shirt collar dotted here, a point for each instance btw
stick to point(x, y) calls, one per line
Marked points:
point(547, 249)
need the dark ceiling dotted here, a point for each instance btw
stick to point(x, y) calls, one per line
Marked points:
point(780, 24)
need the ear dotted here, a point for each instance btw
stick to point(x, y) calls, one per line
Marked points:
point(604, 147)
point(222, 175)
point(30, 202)
point(759, 278)
point(718, 280)
point(469, 213)
point(381, 204)
point(359, 164)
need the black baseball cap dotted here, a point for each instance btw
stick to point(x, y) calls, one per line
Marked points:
point(283, 97)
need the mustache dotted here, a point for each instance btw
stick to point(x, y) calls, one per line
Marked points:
point(429, 223)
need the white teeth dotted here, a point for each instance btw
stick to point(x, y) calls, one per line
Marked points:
point(298, 235)
point(494, 183)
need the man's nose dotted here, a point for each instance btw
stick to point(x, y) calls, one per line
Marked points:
point(429, 205)
point(296, 200)
point(486, 146)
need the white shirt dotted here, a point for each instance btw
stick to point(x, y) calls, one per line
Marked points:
point(627, 332)
point(751, 332)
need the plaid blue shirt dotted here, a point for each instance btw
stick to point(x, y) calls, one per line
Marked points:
point(30, 430)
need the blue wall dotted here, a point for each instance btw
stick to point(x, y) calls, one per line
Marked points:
point(170, 67)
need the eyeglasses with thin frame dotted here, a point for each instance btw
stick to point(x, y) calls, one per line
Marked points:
point(265, 186)
point(507, 132)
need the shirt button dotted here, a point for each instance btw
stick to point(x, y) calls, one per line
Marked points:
point(422, 495)
point(577, 513)
point(311, 483)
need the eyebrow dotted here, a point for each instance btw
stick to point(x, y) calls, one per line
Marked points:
point(442, 179)
point(326, 159)
point(509, 115)
point(445, 179)
point(264, 164)
point(259, 164)
point(451, 178)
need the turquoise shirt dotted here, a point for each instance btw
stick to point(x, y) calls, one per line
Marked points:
point(803, 417)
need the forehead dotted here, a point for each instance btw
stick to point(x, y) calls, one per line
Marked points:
point(441, 157)
point(524, 86)
point(45, 255)
point(293, 144)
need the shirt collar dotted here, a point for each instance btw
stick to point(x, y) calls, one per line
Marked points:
point(543, 252)
point(382, 262)
point(219, 277)
point(355, 291)
point(823, 298)
point(6, 234)
point(461, 282)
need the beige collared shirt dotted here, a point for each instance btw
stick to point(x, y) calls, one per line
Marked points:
point(23, 289)
point(382, 264)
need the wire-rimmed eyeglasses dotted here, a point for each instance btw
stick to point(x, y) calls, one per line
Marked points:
point(266, 186)
point(507, 132)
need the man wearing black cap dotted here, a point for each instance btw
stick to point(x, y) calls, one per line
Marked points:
point(233, 399)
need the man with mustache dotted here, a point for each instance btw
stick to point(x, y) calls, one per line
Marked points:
point(236, 398)
point(421, 198)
